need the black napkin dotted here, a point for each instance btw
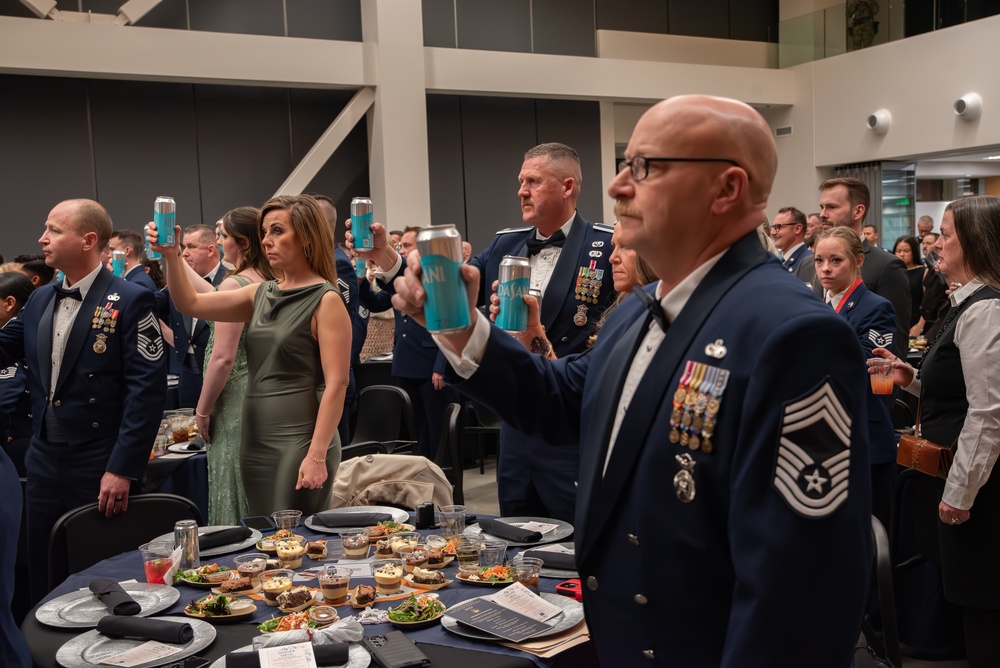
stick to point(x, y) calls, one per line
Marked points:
point(509, 531)
point(345, 518)
point(334, 654)
point(223, 537)
point(163, 630)
point(560, 560)
point(114, 597)
point(196, 444)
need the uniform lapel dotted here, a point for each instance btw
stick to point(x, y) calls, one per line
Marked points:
point(44, 344)
point(562, 276)
point(600, 422)
point(96, 296)
point(656, 382)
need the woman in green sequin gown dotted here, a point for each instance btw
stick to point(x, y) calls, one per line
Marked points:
point(220, 406)
point(298, 356)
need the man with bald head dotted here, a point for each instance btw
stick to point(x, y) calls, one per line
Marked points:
point(724, 487)
point(97, 372)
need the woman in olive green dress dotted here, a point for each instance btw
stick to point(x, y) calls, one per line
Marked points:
point(219, 412)
point(298, 355)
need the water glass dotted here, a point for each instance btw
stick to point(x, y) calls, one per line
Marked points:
point(493, 553)
point(452, 519)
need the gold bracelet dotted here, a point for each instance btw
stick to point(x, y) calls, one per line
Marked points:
point(199, 414)
point(316, 460)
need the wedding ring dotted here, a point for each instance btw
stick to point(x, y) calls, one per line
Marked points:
point(954, 520)
point(119, 498)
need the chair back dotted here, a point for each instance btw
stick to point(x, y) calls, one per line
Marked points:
point(449, 452)
point(84, 536)
point(385, 415)
point(401, 481)
point(487, 419)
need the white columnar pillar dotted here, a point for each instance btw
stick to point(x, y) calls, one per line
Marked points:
point(608, 162)
point(397, 124)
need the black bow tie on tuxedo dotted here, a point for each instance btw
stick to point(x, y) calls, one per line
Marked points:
point(72, 293)
point(535, 245)
point(653, 305)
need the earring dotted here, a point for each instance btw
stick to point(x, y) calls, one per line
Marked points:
point(308, 252)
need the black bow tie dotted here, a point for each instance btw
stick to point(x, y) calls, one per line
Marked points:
point(654, 307)
point(535, 245)
point(72, 293)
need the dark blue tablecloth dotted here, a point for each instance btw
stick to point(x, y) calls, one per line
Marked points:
point(183, 477)
point(129, 566)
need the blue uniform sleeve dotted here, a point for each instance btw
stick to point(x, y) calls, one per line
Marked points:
point(376, 302)
point(876, 326)
point(145, 381)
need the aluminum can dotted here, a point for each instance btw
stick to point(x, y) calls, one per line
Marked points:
point(514, 282)
point(361, 223)
point(424, 515)
point(361, 267)
point(537, 294)
point(186, 538)
point(165, 217)
point(446, 308)
point(118, 263)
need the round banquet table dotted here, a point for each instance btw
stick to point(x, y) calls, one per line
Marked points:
point(443, 648)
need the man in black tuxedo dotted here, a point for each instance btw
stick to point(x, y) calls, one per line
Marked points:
point(845, 201)
point(93, 351)
point(201, 252)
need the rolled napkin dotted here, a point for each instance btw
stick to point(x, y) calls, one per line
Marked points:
point(326, 655)
point(509, 531)
point(561, 560)
point(114, 597)
point(196, 444)
point(344, 630)
point(345, 518)
point(223, 537)
point(163, 630)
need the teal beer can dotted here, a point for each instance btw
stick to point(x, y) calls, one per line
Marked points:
point(514, 282)
point(446, 307)
point(118, 263)
point(361, 223)
point(165, 217)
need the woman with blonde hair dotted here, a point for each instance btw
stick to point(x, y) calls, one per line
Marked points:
point(298, 347)
point(838, 258)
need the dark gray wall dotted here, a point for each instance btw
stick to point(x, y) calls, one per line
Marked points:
point(317, 19)
point(477, 145)
point(123, 143)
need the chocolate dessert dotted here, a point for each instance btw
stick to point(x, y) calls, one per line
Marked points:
point(364, 595)
point(236, 585)
point(293, 598)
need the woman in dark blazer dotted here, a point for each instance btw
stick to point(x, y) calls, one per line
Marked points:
point(959, 387)
point(838, 258)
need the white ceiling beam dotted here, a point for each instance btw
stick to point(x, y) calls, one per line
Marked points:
point(53, 48)
point(323, 149)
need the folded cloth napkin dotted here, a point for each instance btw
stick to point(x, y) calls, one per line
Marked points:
point(196, 444)
point(326, 655)
point(223, 537)
point(561, 560)
point(347, 630)
point(345, 518)
point(509, 531)
point(145, 628)
point(114, 597)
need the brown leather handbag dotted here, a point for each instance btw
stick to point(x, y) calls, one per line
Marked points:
point(923, 455)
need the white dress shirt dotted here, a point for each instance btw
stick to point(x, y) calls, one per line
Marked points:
point(977, 336)
point(544, 262)
point(63, 316)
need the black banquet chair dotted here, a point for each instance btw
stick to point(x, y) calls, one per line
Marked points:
point(483, 422)
point(385, 415)
point(84, 536)
point(449, 452)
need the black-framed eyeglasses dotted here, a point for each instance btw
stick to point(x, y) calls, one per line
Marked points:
point(777, 226)
point(640, 164)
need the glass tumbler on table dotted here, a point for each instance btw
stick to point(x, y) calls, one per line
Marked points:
point(156, 560)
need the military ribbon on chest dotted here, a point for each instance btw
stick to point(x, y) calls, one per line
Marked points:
point(589, 280)
point(696, 403)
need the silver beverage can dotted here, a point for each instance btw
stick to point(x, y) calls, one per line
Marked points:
point(186, 538)
point(514, 282)
point(446, 307)
point(361, 223)
point(118, 263)
point(165, 217)
point(537, 294)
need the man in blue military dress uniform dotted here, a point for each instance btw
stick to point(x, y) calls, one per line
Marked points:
point(93, 351)
point(788, 231)
point(130, 242)
point(724, 467)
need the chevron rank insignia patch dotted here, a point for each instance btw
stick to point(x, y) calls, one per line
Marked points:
point(344, 290)
point(812, 465)
point(880, 340)
point(9, 372)
point(150, 338)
